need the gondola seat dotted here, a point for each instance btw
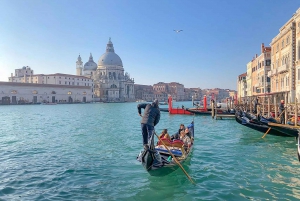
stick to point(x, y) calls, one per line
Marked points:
point(169, 143)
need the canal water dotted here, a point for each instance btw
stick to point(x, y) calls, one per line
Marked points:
point(88, 152)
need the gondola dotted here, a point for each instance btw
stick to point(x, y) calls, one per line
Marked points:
point(158, 161)
point(284, 128)
point(201, 111)
point(256, 125)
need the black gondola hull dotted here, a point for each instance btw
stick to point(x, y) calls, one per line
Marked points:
point(260, 127)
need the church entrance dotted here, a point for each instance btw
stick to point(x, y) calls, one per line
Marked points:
point(34, 99)
point(84, 99)
point(53, 99)
point(70, 100)
point(14, 100)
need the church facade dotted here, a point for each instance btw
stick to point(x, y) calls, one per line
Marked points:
point(111, 82)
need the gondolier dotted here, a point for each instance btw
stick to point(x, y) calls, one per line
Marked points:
point(150, 118)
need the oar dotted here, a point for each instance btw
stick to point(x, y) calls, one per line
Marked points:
point(187, 175)
point(266, 132)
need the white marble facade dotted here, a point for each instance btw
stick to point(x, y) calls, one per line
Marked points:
point(111, 82)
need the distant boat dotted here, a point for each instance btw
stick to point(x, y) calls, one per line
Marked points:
point(140, 101)
point(49, 104)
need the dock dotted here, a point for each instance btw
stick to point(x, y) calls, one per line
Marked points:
point(221, 116)
point(215, 113)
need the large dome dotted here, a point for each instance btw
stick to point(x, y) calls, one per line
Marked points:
point(110, 57)
point(90, 65)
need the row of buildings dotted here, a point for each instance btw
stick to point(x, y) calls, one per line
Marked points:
point(105, 81)
point(276, 70)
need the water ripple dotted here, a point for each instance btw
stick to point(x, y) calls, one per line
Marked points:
point(88, 151)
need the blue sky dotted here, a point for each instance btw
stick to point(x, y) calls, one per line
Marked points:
point(218, 39)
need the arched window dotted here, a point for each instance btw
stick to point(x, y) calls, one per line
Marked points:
point(113, 86)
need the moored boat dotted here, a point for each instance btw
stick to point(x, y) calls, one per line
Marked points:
point(159, 159)
point(284, 128)
point(256, 125)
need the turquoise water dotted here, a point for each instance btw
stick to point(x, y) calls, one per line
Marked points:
point(88, 152)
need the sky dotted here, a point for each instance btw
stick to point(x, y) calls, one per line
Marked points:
point(218, 39)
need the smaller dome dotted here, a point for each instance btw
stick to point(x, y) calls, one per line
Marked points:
point(90, 65)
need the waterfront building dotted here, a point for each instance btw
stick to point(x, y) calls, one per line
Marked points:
point(26, 75)
point(161, 87)
point(242, 88)
point(32, 93)
point(193, 93)
point(249, 79)
point(285, 61)
point(111, 83)
point(176, 90)
point(161, 96)
point(259, 73)
point(143, 92)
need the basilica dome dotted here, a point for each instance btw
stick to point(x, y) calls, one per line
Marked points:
point(110, 57)
point(90, 65)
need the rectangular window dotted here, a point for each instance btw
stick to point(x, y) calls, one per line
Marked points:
point(268, 62)
point(298, 73)
point(59, 82)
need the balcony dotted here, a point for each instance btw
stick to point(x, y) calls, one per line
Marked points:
point(272, 72)
point(283, 68)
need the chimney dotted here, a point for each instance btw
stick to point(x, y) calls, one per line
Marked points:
point(262, 48)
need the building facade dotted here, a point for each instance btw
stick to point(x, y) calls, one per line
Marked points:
point(26, 75)
point(31, 93)
point(259, 73)
point(284, 60)
point(111, 82)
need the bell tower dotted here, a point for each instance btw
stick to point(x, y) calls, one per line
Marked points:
point(79, 66)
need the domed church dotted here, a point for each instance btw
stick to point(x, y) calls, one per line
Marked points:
point(111, 83)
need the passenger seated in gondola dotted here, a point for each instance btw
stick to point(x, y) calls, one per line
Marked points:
point(164, 134)
point(185, 139)
point(187, 132)
point(176, 136)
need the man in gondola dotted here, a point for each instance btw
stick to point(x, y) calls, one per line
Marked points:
point(150, 119)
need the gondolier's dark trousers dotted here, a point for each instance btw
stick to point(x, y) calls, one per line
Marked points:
point(147, 132)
